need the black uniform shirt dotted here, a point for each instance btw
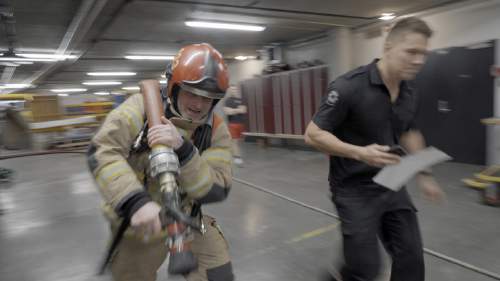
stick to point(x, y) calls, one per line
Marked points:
point(358, 110)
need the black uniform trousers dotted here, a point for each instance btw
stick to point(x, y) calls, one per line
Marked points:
point(370, 214)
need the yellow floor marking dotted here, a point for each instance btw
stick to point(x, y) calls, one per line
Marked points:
point(314, 233)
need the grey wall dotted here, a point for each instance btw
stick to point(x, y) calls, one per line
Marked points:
point(463, 25)
point(320, 49)
point(334, 49)
point(243, 70)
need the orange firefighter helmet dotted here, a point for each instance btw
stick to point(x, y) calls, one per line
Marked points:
point(198, 69)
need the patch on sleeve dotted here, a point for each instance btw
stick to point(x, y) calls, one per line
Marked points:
point(333, 98)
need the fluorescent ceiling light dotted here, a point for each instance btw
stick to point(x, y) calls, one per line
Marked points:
point(8, 63)
point(101, 83)
point(131, 88)
point(102, 93)
point(221, 25)
point(69, 90)
point(111, 73)
point(47, 56)
point(244, 57)
point(16, 59)
point(15, 86)
point(62, 95)
point(163, 81)
point(149, 57)
point(24, 62)
point(387, 16)
point(163, 76)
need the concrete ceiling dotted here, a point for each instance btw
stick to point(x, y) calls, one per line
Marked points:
point(101, 32)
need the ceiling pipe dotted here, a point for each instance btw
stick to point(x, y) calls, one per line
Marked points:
point(8, 21)
point(282, 17)
point(219, 5)
point(83, 31)
point(79, 26)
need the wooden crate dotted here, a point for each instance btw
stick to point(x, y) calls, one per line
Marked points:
point(45, 108)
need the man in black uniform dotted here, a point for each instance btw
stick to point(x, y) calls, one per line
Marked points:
point(367, 111)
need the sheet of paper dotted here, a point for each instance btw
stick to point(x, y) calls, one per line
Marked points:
point(396, 176)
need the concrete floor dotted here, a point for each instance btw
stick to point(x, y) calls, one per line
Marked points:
point(52, 228)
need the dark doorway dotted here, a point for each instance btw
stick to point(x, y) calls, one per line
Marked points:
point(456, 91)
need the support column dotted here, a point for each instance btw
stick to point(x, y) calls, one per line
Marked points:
point(340, 61)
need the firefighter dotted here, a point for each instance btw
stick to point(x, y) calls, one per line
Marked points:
point(118, 159)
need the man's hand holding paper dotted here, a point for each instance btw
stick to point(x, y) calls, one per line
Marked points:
point(396, 176)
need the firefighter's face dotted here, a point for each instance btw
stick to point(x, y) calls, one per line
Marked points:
point(192, 106)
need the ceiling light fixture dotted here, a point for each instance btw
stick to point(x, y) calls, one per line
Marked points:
point(11, 56)
point(69, 90)
point(24, 62)
point(16, 59)
point(9, 63)
point(163, 81)
point(131, 88)
point(111, 73)
point(47, 56)
point(222, 25)
point(101, 93)
point(245, 58)
point(62, 95)
point(149, 57)
point(387, 16)
point(15, 86)
point(101, 83)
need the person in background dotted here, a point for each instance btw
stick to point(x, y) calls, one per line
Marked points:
point(235, 112)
